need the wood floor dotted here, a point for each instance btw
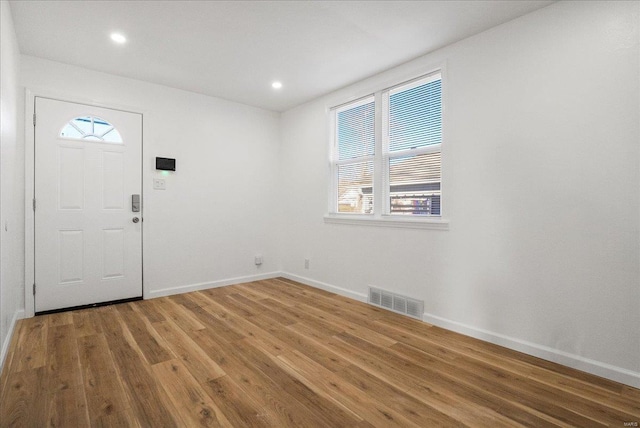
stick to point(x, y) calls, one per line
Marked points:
point(277, 353)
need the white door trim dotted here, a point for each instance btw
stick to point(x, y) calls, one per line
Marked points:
point(29, 184)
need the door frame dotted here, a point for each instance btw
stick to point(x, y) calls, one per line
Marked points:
point(29, 183)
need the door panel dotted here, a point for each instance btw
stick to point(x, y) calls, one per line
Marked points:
point(87, 166)
point(113, 253)
point(71, 256)
point(70, 178)
point(113, 181)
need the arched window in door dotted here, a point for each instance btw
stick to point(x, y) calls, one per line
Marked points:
point(91, 128)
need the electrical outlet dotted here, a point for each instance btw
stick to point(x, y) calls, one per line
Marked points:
point(306, 263)
point(159, 184)
point(258, 259)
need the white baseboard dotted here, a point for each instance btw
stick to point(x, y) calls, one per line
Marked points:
point(327, 287)
point(18, 315)
point(206, 285)
point(597, 368)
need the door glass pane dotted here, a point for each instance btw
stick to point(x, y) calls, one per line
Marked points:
point(91, 128)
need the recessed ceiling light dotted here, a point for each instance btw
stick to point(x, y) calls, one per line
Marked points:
point(276, 85)
point(118, 38)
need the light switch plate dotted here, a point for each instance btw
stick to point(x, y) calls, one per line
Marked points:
point(159, 184)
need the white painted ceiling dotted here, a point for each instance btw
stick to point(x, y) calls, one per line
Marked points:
point(234, 50)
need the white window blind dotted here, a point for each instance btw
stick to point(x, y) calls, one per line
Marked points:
point(413, 141)
point(415, 116)
point(356, 131)
point(354, 160)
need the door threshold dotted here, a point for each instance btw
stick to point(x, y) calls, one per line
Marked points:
point(92, 305)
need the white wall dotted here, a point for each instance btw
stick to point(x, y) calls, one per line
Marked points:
point(217, 211)
point(540, 179)
point(11, 185)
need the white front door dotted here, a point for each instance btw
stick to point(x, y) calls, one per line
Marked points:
point(88, 240)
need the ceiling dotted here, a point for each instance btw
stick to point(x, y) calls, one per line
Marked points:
point(236, 49)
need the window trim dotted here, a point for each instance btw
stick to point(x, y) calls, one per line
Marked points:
point(404, 222)
point(381, 216)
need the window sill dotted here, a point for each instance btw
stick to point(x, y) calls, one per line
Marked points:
point(388, 221)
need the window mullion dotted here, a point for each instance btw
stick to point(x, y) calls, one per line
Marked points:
point(333, 167)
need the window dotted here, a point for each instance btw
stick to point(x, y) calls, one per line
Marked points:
point(395, 171)
point(355, 141)
point(91, 128)
point(412, 137)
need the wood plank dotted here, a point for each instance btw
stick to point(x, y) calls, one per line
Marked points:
point(33, 352)
point(251, 290)
point(397, 399)
point(220, 291)
point(333, 387)
point(319, 326)
point(588, 390)
point(177, 313)
point(67, 408)
point(312, 348)
point(213, 323)
point(249, 330)
point(63, 368)
point(153, 348)
point(236, 307)
point(190, 354)
point(187, 300)
point(324, 411)
point(342, 324)
point(61, 318)
point(256, 385)
point(86, 323)
point(103, 387)
point(466, 386)
point(457, 349)
point(125, 419)
point(9, 365)
point(196, 407)
point(23, 401)
point(147, 400)
point(631, 393)
point(538, 396)
point(240, 410)
point(331, 302)
point(147, 309)
point(279, 353)
point(65, 399)
point(278, 317)
point(434, 393)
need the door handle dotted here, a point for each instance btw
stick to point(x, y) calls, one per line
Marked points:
point(135, 219)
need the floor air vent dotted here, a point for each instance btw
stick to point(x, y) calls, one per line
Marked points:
point(396, 303)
